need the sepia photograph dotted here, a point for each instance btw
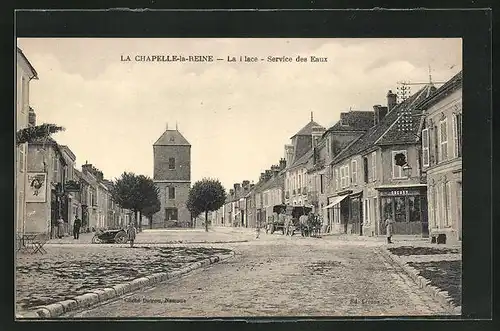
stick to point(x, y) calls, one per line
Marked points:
point(238, 177)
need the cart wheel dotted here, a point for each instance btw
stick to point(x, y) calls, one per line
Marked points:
point(96, 240)
point(121, 238)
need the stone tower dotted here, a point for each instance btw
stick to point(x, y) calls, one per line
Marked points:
point(172, 175)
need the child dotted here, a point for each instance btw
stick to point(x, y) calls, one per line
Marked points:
point(131, 231)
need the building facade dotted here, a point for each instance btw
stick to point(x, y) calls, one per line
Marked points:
point(371, 185)
point(442, 160)
point(172, 175)
point(24, 74)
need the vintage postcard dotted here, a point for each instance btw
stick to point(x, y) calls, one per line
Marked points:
point(238, 177)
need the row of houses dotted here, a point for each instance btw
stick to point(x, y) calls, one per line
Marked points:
point(48, 185)
point(401, 161)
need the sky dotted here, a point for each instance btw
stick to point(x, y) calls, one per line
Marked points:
point(237, 116)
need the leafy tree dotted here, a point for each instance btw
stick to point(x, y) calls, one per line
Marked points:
point(36, 132)
point(150, 198)
point(206, 195)
point(126, 193)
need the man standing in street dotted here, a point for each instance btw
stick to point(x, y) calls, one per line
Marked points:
point(77, 224)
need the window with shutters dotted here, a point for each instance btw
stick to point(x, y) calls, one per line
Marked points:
point(443, 140)
point(397, 171)
point(425, 147)
point(21, 158)
point(374, 166)
point(365, 169)
point(337, 179)
point(448, 203)
point(354, 172)
point(457, 134)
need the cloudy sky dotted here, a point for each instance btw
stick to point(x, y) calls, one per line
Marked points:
point(237, 116)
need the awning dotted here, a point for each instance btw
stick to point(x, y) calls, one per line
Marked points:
point(335, 201)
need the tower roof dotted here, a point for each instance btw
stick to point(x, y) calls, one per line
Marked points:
point(172, 138)
point(308, 129)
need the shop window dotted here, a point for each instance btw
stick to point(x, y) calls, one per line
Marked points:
point(399, 209)
point(387, 211)
point(415, 211)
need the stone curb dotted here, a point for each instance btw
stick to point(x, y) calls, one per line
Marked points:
point(99, 296)
point(424, 283)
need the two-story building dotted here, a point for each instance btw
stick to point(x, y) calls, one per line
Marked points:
point(24, 74)
point(378, 176)
point(442, 160)
point(46, 199)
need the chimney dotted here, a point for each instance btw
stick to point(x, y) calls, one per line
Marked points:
point(245, 184)
point(379, 113)
point(391, 100)
point(344, 119)
point(289, 151)
point(32, 117)
point(282, 164)
point(316, 134)
point(87, 167)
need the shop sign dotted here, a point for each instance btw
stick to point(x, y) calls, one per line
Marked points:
point(399, 193)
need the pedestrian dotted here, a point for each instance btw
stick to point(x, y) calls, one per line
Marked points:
point(131, 232)
point(77, 224)
point(389, 229)
point(60, 228)
point(257, 230)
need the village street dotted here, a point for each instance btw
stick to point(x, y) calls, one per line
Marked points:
point(280, 276)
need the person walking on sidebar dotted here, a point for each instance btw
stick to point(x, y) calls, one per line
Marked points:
point(77, 224)
point(257, 230)
point(132, 232)
point(389, 229)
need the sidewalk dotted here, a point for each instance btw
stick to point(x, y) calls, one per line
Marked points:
point(170, 236)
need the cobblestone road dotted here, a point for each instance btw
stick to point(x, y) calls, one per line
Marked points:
point(282, 276)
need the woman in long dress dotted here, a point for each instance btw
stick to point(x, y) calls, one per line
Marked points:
point(389, 229)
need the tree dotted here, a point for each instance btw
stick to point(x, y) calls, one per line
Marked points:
point(150, 198)
point(206, 195)
point(126, 193)
point(36, 132)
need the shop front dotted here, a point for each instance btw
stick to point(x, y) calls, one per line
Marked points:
point(345, 213)
point(407, 207)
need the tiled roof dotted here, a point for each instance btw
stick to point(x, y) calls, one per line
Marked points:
point(449, 87)
point(301, 160)
point(355, 120)
point(399, 126)
point(172, 138)
point(307, 130)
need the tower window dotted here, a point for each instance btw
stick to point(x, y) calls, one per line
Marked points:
point(171, 192)
point(171, 163)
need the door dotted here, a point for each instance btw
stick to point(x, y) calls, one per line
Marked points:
point(387, 212)
point(170, 215)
